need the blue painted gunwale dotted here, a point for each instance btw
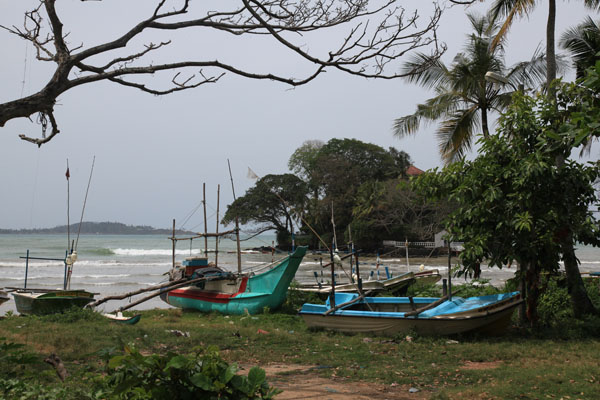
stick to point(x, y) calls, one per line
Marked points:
point(456, 305)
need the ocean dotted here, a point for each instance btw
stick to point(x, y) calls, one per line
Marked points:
point(118, 264)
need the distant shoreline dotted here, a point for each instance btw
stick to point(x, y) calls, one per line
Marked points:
point(96, 228)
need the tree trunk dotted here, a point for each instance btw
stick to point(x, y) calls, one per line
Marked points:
point(580, 301)
point(550, 50)
point(484, 123)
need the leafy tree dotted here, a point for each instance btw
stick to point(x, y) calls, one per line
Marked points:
point(271, 204)
point(363, 49)
point(341, 167)
point(583, 42)
point(391, 209)
point(464, 97)
point(511, 199)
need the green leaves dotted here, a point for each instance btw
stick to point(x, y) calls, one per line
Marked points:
point(176, 376)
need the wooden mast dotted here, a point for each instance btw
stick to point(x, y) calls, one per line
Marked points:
point(217, 231)
point(205, 223)
point(173, 241)
point(237, 224)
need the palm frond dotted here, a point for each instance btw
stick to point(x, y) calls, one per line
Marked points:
point(425, 70)
point(431, 110)
point(531, 74)
point(455, 135)
point(509, 9)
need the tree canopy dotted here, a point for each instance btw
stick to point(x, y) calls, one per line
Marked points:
point(371, 37)
point(271, 205)
point(514, 201)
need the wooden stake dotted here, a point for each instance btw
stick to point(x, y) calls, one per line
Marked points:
point(173, 241)
point(237, 224)
point(217, 231)
point(205, 222)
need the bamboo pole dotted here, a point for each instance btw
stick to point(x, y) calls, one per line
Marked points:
point(332, 295)
point(217, 230)
point(205, 222)
point(135, 292)
point(187, 283)
point(237, 224)
point(173, 241)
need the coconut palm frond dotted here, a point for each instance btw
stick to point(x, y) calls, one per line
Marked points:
point(583, 42)
point(531, 74)
point(432, 110)
point(455, 135)
point(425, 71)
point(593, 4)
point(509, 9)
point(409, 124)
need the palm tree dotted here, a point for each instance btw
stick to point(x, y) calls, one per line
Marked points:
point(464, 97)
point(512, 8)
point(583, 42)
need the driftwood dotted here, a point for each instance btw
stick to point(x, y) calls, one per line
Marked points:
point(58, 365)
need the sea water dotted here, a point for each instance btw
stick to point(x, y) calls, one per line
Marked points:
point(118, 264)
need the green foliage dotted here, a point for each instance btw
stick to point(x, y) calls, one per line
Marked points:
point(71, 315)
point(14, 355)
point(179, 377)
point(12, 389)
point(295, 299)
point(514, 201)
point(271, 203)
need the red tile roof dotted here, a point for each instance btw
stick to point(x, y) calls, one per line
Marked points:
point(413, 171)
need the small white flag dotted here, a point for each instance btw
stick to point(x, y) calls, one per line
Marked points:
point(251, 174)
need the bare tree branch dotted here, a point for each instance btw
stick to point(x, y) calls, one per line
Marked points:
point(378, 33)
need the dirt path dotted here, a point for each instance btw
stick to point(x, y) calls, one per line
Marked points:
point(303, 382)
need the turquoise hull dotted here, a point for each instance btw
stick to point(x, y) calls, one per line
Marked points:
point(254, 293)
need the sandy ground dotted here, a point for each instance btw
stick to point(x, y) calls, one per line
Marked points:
point(303, 382)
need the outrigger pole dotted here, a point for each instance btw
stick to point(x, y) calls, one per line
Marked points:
point(237, 225)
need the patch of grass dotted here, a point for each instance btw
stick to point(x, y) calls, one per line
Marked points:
point(523, 363)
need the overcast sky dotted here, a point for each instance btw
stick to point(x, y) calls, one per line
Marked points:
point(154, 153)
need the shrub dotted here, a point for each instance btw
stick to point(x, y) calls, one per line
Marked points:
point(174, 376)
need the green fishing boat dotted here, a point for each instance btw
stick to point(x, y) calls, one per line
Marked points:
point(237, 294)
point(32, 302)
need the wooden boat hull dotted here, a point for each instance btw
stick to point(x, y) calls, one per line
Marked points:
point(52, 302)
point(119, 318)
point(324, 291)
point(3, 297)
point(491, 316)
point(240, 295)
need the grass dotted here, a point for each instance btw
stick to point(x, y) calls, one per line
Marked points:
point(521, 364)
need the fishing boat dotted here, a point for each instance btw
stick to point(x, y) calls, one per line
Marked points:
point(121, 319)
point(35, 301)
point(423, 315)
point(44, 301)
point(3, 297)
point(323, 290)
point(229, 293)
point(398, 285)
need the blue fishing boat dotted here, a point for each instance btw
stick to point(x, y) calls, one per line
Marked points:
point(423, 315)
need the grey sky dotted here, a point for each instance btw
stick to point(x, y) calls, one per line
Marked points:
point(154, 153)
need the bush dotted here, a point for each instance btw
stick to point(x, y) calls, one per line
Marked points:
point(174, 377)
